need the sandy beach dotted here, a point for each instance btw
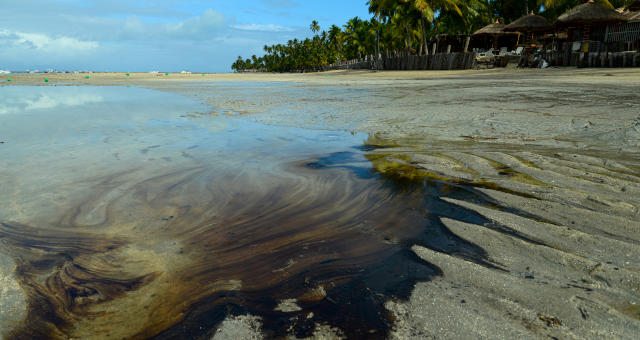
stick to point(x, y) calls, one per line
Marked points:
point(553, 154)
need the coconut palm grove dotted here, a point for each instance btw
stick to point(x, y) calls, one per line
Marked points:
point(396, 26)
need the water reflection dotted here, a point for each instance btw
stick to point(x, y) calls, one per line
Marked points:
point(16, 102)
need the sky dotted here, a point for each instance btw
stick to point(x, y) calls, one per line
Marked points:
point(155, 35)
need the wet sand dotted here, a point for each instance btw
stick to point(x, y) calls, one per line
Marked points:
point(534, 175)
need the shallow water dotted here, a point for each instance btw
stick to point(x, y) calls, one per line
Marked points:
point(128, 215)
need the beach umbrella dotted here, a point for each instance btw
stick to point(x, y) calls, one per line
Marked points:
point(529, 23)
point(588, 14)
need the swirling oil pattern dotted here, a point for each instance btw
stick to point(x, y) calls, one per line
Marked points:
point(127, 217)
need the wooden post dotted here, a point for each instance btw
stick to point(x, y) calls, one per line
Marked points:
point(586, 32)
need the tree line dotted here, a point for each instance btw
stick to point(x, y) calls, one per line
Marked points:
point(398, 25)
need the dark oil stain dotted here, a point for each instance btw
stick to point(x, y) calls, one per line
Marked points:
point(354, 162)
point(177, 253)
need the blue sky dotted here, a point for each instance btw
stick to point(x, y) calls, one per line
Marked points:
point(163, 35)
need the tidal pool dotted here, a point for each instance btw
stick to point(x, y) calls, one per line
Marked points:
point(129, 214)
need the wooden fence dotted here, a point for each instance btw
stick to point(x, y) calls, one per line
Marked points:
point(591, 59)
point(401, 61)
point(596, 56)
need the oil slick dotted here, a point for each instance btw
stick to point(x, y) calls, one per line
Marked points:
point(166, 246)
point(173, 251)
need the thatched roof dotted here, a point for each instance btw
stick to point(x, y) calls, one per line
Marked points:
point(631, 12)
point(492, 29)
point(590, 13)
point(529, 23)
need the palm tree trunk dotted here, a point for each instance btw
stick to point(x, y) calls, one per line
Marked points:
point(406, 27)
point(424, 36)
point(488, 4)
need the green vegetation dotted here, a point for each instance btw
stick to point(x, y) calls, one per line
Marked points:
point(397, 25)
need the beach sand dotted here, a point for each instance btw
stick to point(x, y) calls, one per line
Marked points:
point(554, 150)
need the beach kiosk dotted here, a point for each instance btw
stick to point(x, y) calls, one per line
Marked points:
point(529, 25)
point(493, 30)
point(587, 25)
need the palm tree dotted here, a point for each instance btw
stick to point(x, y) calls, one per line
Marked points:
point(412, 13)
point(314, 26)
point(356, 37)
point(336, 40)
point(475, 15)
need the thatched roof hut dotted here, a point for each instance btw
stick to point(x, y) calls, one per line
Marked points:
point(590, 13)
point(493, 29)
point(529, 23)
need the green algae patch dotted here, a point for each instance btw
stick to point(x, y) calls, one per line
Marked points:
point(633, 311)
point(379, 142)
point(505, 170)
point(526, 162)
point(399, 168)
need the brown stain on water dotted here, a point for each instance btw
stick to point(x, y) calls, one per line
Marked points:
point(158, 256)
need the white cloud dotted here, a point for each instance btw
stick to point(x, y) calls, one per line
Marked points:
point(44, 43)
point(263, 28)
point(209, 21)
point(21, 104)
